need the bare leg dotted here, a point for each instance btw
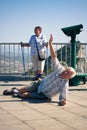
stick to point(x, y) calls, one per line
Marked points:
point(24, 95)
point(32, 87)
point(36, 73)
point(22, 90)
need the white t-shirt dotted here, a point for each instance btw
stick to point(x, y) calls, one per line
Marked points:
point(41, 43)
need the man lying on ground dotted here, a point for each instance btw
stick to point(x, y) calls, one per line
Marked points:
point(55, 83)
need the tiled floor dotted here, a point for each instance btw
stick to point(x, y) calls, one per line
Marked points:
point(18, 114)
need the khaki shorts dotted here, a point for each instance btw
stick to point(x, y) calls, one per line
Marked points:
point(33, 86)
point(33, 91)
point(37, 65)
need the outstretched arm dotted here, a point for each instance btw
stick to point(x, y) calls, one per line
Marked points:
point(26, 44)
point(52, 51)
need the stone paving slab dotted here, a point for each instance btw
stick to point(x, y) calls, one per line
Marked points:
point(34, 114)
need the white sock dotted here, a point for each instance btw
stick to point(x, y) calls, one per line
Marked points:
point(15, 91)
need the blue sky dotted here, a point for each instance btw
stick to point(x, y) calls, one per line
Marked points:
point(19, 17)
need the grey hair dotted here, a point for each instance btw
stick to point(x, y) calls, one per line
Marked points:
point(72, 70)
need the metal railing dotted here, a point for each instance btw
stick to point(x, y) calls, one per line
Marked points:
point(11, 57)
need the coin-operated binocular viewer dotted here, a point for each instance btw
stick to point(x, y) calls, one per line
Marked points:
point(72, 31)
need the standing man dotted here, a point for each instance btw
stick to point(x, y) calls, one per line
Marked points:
point(40, 41)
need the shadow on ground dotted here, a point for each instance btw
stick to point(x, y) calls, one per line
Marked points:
point(35, 101)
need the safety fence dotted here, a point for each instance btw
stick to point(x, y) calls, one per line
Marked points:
point(16, 60)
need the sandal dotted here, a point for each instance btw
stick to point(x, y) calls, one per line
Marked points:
point(7, 92)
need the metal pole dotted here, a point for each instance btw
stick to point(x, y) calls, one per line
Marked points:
point(73, 51)
point(22, 50)
point(47, 60)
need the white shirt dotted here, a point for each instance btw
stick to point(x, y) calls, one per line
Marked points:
point(52, 84)
point(41, 42)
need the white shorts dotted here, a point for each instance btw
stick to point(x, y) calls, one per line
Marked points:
point(37, 65)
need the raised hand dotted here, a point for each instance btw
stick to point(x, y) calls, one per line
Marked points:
point(51, 38)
